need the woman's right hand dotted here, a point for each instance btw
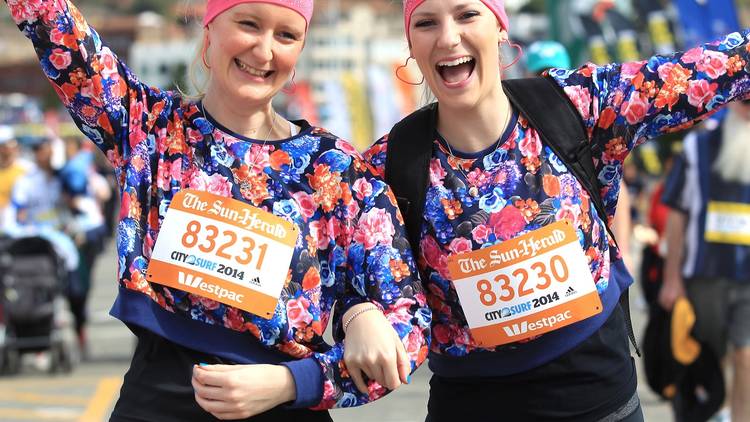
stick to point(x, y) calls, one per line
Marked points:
point(672, 289)
point(373, 349)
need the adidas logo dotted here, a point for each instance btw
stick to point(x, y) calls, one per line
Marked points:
point(570, 292)
point(189, 279)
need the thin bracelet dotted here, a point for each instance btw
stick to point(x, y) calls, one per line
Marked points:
point(358, 313)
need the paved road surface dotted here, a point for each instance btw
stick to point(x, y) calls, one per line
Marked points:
point(90, 391)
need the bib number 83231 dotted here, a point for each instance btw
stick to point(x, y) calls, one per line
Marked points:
point(207, 240)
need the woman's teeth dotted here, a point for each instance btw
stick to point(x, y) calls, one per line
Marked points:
point(251, 70)
point(455, 62)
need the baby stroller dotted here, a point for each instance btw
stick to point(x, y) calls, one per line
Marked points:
point(32, 282)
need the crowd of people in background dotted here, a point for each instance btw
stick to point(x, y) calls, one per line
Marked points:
point(688, 219)
point(57, 188)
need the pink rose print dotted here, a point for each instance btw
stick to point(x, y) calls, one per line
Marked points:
point(437, 173)
point(306, 204)
point(60, 59)
point(530, 145)
point(23, 10)
point(375, 226)
point(700, 93)
point(635, 108)
point(481, 233)
point(460, 245)
point(581, 98)
point(713, 63)
point(109, 63)
point(508, 222)
point(363, 188)
point(297, 312)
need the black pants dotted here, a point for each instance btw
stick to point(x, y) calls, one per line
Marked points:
point(157, 387)
point(596, 381)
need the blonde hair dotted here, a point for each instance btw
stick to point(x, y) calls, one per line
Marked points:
point(197, 86)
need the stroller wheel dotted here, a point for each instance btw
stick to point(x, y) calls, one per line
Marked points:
point(10, 363)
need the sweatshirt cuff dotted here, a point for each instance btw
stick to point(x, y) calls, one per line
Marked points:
point(308, 382)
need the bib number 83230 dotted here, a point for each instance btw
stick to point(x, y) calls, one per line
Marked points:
point(556, 268)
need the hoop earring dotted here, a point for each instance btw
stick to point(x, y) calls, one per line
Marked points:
point(290, 90)
point(203, 57)
point(503, 68)
point(403, 66)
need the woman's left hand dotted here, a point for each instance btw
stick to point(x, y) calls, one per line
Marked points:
point(232, 392)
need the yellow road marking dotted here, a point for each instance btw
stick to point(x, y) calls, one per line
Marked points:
point(38, 414)
point(101, 401)
point(35, 383)
point(48, 399)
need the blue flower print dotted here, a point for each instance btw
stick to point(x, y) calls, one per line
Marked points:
point(493, 201)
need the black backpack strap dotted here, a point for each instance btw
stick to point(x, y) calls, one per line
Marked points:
point(559, 124)
point(407, 167)
point(557, 121)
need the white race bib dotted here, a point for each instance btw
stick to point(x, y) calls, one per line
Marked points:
point(524, 287)
point(225, 250)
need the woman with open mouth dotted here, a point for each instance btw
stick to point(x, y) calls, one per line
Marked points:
point(239, 229)
point(511, 235)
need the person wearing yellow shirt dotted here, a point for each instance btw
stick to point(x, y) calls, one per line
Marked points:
point(10, 168)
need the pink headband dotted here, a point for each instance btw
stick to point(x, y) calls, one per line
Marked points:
point(497, 7)
point(216, 7)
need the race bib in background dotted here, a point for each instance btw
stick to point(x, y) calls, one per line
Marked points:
point(728, 222)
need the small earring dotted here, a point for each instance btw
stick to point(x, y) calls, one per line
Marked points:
point(291, 89)
point(403, 66)
point(503, 68)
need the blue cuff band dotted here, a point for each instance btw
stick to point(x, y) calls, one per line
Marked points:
point(308, 380)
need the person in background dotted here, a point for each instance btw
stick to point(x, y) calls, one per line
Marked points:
point(708, 244)
point(83, 190)
point(10, 169)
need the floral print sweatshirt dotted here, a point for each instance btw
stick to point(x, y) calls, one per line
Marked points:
point(523, 186)
point(351, 247)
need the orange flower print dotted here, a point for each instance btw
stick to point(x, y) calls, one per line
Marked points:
point(735, 64)
point(616, 150)
point(551, 185)
point(452, 208)
point(529, 209)
point(399, 269)
point(311, 279)
point(326, 186)
point(675, 84)
point(253, 185)
point(532, 164)
point(607, 117)
point(278, 159)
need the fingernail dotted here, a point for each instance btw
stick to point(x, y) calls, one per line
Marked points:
point(203, 364)
point(408, 379)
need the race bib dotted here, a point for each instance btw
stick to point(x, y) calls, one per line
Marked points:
point(224, 250)
point(728, 222)
point(526, 286)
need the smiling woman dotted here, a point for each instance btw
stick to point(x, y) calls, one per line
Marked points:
point(242, 336)
point(492, 180)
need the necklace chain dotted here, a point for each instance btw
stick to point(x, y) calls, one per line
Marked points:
point(473, 189)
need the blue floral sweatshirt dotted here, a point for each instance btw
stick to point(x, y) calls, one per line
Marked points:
point(351, 246)
point(524, 186)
